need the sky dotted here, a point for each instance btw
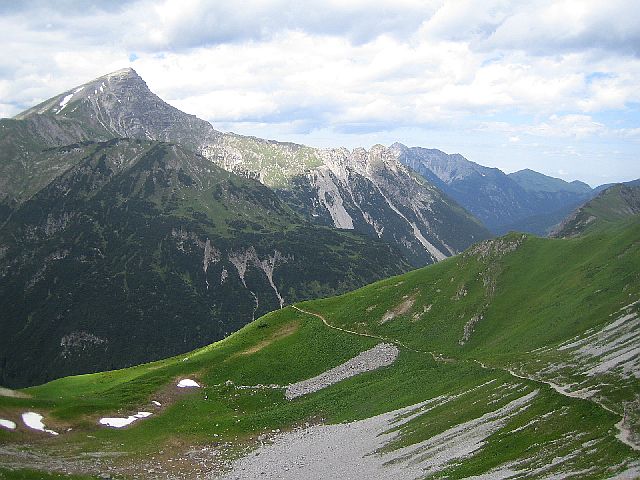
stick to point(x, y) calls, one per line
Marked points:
point(549, 85)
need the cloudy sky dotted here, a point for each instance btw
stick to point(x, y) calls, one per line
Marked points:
point(549, 85)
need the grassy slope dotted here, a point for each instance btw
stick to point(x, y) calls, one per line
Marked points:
point(612, 205)
point(29, 474)
point(531, 292)
point(277, 162)
point(546, 291)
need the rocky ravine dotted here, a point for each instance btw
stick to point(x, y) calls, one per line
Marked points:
point(368, 191)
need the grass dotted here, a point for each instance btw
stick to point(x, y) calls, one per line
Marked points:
point(278, 163)
point(531, 293)
point(28, 474)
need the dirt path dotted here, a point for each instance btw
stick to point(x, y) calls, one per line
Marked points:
point(436, 357)
point(624, 434)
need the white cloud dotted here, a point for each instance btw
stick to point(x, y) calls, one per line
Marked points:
point(555, 126)
point(544, 69)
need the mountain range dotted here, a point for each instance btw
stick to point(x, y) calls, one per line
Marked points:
point(108, 194)
point(366, 191)
point(525, 201)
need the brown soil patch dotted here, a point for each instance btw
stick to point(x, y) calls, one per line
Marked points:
point(7, 392)
point(22, 432)
point(400, 309)
point(168, 394)
point(282, 332)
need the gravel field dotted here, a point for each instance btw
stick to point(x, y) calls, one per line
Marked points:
point(349, 450)
point(381, 355)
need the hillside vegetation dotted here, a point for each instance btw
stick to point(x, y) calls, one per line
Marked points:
point(616, 203)
point(144, 250)
point(519, 358)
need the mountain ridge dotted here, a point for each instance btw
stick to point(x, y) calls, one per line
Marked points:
point(526, 200)
point(391, 203)
point(614, 203)
point(145, 244)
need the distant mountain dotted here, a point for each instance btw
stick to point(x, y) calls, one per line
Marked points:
point(532, 181)
point(366, 191)
point(143, 250)
point(524, 201)
point(613, 204)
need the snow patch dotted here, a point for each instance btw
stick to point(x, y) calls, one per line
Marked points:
point(188, 383)
point(33, 420)
point(119, 422)
point(8, 424)
point(63, 102)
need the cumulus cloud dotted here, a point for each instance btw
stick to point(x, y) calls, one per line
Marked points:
point(540, 27)
point(553, 69)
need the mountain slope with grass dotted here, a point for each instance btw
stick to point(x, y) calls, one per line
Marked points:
point(368, 192)
point(518, 359)
point(615, 203)
point(144, 250)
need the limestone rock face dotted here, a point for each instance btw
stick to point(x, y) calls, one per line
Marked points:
point(120, 104)
point(369, 191)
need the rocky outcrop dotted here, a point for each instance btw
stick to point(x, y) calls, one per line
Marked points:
point(382, 355)
point(368, 191)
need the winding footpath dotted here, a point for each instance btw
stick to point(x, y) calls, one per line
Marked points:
point(624, 434)
point(436, 357)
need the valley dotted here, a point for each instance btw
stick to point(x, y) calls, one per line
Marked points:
point(488, 407)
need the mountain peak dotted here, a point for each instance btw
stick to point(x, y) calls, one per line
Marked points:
point(534, 181)
point(121, 104)
point(123, 71)
point(118, 86)
point(124, 74)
